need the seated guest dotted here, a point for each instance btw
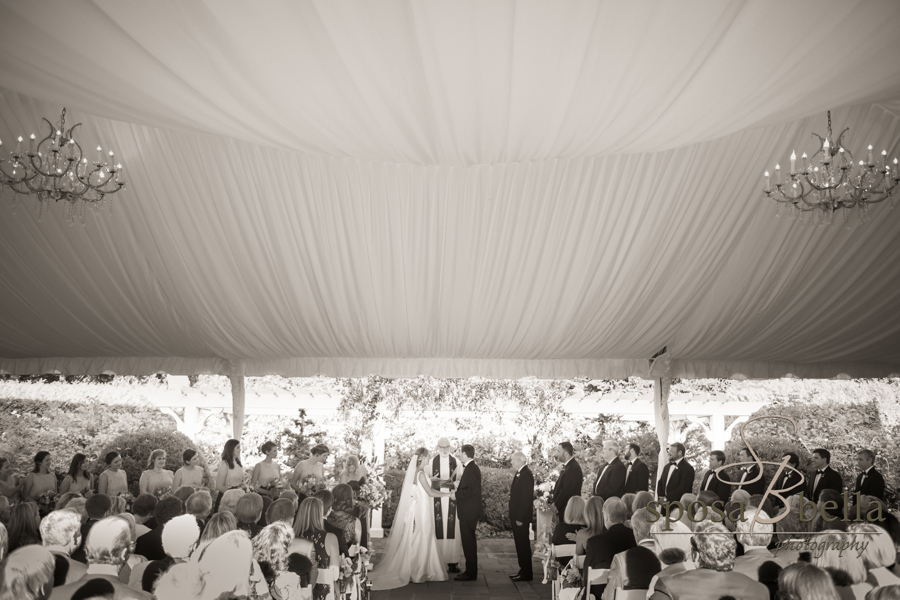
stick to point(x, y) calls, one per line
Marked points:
point(707, 498)
point(677, 536)
point(77, 504)
point(803, 581)
point(879, 554)
point(361, 512)
point(641, 500)
point(571, 523)
point(135, 559)
point(119, 506)
point(686, 501)
point(602, 548)
point(108, 547)
point(293, 497)
point(673, 561)
point(628, 499)
point(756, 551)
point(61, 534)
point(150, 545)
point(24, 526)
point(869, 482)
point(199, 505)
point(888, 592)
point(283, 510)
point(855, 585)
point(230, 499)
point(64, 499)
point(184, 492)
point(634, 569)
point(767, 574)
point(180, 537)
point(302, 567)
point(97, 507)
point(227, 565)
point(95, 589)
point(183, 581)
point(713, 550)
point(759, 501)
point(143, 509)
point(270, 550)
point(342, 515)
point(219, 524)
point(834, 511)
point(27, 574)
point(311, 540)
point(327, 499)
point(248, 510)
point(593, 518)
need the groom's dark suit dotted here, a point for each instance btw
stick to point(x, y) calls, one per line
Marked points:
point(521, 510)
point(469, 510)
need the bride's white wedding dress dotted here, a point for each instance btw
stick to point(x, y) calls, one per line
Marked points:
point(411, 553)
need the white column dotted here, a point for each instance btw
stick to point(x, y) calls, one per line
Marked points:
point(238, 401)
point(375, 529)
point(717, 432)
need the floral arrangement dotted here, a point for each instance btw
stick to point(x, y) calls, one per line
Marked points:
point(365, 557)
point(47, 501)
point(162, 492)
point(374, 493)
point(310, 485)
point(128, 498)
point(543, 492)
point(276, 486)
point(570, 576)
point(345, 585)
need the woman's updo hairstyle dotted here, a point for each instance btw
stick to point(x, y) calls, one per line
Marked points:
point(267, 447)
point(110, 457)
point(187, 455)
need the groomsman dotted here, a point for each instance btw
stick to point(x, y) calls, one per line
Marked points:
point(710, 482)
point(570, 479)
point(749, 473)
point(521, 511)
point(824, 477)
point(610, 482)
point(789, 480)
point(677, 477)
point(869, 482)
point(637, 475)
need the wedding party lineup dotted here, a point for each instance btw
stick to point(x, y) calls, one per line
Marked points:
point(450, 299)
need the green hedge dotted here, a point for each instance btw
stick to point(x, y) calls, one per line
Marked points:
point(495, 484)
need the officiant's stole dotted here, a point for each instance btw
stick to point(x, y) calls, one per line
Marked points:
point(438, 509)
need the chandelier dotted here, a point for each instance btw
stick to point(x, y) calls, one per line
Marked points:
point(830, 180)
point(56, 168)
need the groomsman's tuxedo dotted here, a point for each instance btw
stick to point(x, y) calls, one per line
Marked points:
point(610, 481)
point(829, 480)
point(637, 477)
point(787, 479)
point(711, 483)
point(747, 474)
point(680, 483)
point(870, 483)
point(569, 484)
point(521, 510)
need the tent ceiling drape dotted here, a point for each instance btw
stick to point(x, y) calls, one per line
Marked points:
point(452, 188)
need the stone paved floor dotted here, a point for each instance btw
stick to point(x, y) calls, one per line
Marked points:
point(496, 561)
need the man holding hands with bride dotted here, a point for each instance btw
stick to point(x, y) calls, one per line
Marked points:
point(468, 505)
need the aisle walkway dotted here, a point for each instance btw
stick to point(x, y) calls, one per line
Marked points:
point(496, 560)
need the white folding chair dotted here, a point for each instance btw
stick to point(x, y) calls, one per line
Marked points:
point(330, 577)
point(595, 577)
point(630, 594)
point(562, 551)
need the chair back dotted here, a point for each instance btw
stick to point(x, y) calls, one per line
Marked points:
point(630, 594)
point(598, 576)
point(562, 551)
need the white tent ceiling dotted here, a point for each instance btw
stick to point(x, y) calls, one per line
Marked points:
point(454, 188)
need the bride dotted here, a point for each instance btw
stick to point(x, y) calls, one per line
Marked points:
point(411, 553)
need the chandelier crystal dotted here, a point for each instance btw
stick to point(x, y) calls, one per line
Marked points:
point(56, 168)
point(830, 180)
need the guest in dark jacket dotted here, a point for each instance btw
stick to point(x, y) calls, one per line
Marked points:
point(97, 507)
point(601, 549)
point(150, 545)
point(634, 569)
point(248, 511)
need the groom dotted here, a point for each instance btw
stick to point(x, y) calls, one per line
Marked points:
point(468, 506)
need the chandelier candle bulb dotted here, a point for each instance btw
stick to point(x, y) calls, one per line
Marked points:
point(793, 160)
point(777, 174)
point(805, 162)
point(883, 158)
point(19, 145)
point(112, 158)
point(31, 147)
point(870, 155)
point(768, 185)
point(99, 155)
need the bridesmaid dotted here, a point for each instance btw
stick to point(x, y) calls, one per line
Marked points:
point(113, 481)
point(41, 479)
point(10, 485)
point(191, 473)
point(156, 477)
point(266, 472)
point(231, 473)
point(79, 480)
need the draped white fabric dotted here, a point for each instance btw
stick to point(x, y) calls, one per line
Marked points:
point(450, 188)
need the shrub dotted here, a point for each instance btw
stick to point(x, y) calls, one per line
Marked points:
point(135, 449)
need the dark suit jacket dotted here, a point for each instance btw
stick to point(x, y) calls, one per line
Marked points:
point(757, 487)
point(79, 554)
point(682, 481)
point(468, 494)
point(787, 479)
point(831, 479)
point(638, 479)
point(568, 485)
point(521, 497)
point(872, 486)
point(706, 584)
point(150, 545)
point(610, 481)
point(123, 592)
point(601, 549)
point(632, 570)
point(720, 489)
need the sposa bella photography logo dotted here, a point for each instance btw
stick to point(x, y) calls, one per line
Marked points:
point(698, 511)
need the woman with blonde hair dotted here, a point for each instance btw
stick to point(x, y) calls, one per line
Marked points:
point(320, 546)
point(156, 476)
point(593, 518)
point(879, 554)
point(803, 581)
point(219, 524)
point(831, 557)
point(353, 470)
point(270, 551)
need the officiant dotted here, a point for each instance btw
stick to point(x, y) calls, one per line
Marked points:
point(445, 473)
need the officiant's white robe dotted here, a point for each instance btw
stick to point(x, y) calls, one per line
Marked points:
point(450, 549)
